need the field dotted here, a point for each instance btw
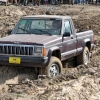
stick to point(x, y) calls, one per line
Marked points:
point(77, 83)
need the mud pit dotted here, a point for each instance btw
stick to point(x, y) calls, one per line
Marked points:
point(78, 83)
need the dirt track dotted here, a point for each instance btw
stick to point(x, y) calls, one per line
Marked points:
point(79, 83)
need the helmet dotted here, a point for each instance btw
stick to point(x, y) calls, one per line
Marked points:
point(56, 24)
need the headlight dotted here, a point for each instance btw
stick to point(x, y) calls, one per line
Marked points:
point(37, 49)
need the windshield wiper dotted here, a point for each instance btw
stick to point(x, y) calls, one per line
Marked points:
point(24, 30)
point(43, 31)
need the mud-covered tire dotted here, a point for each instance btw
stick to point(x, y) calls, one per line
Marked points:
point(54, 67)
point(83, 58)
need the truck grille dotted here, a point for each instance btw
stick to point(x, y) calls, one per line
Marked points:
point(16, 49)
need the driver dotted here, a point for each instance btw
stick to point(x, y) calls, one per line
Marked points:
point(56, 24)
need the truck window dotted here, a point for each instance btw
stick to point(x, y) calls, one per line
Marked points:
point(67, 27)
point(38, 26)
point(21, 25)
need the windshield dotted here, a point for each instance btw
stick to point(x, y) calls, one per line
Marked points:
point(38, 26)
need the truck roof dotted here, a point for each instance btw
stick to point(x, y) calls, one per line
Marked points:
point(47, 16)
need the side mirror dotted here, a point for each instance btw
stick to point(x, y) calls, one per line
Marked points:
point(66, 34)
point(9, 32)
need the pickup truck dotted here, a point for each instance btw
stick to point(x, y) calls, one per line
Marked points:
point(43, 42)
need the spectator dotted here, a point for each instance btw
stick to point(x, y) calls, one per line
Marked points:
point(55, 2)
point(45, 2)
point(36, 2)
point(25, 2)
point(42, 2)
point(14, 2)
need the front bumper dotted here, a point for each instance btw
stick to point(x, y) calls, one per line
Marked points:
point(27, 61)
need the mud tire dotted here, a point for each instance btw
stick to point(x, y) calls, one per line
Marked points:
point(83, 58)
point(54, 66)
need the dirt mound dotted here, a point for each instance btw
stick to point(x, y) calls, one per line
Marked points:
point(84, 17)
point(83, 83)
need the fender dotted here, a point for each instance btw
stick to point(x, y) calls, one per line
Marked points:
point(85, 41)
point(50, 51)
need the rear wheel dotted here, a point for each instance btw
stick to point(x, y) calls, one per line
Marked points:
point(53, 69)
point(83, 58)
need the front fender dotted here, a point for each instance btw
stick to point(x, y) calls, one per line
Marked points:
point(50, 51)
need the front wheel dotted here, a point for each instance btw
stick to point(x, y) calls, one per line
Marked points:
point(83, 58)
point(53, 69)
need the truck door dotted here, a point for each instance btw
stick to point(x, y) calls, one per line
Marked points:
point(68, 42)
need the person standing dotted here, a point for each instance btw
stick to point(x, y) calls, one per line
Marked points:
point(45, 2)
point(71, 2)
point(36, 2)
point(14, 2)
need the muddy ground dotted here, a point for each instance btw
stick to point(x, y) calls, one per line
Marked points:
point(77, 83)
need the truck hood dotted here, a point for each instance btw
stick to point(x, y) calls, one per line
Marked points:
point(28, 39)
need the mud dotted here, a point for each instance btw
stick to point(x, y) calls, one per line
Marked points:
point(77, 83)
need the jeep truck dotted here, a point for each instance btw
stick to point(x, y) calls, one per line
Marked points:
point(35, 42)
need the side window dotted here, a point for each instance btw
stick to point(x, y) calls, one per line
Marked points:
point(67, 27)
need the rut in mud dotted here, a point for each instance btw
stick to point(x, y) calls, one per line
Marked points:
point(78, 83)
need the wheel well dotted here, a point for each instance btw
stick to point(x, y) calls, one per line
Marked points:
point(57, 54)
point(88, 44)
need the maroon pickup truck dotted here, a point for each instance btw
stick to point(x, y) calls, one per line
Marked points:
point(43, 42)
